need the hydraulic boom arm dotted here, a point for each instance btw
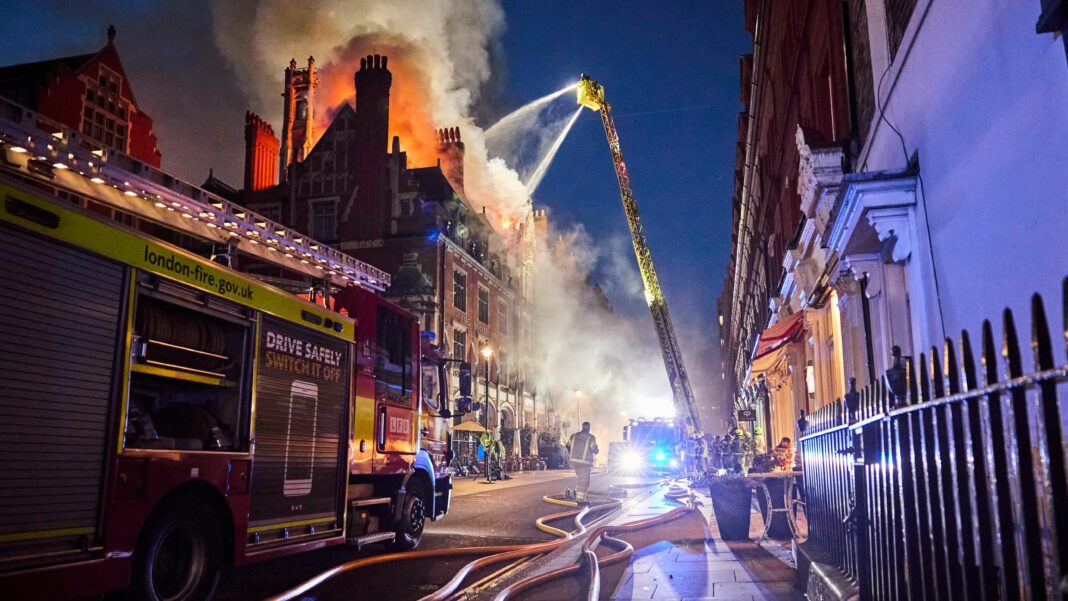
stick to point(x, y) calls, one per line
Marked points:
point(591, 95)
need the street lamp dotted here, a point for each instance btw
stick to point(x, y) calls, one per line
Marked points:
point(578, 406)
point(487, 352)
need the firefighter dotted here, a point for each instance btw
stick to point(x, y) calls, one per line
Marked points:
point(582, 448)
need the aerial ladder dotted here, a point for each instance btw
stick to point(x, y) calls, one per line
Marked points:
point(591, 95)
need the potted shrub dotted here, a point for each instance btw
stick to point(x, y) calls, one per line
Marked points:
point(732, 496)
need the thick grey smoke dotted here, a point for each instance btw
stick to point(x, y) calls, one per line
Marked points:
point(609, 360)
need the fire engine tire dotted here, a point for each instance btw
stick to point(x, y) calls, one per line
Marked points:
point(413, 518)
point(180, 556)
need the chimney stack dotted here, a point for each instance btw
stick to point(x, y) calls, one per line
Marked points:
point(451, 157)
point(261, 152)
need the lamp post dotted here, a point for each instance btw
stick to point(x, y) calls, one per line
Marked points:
point(487, 352)
point(578, 406)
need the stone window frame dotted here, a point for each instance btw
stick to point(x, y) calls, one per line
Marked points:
point(314, 230)
point(483, 304)
point(459, 289)
point(502, 317)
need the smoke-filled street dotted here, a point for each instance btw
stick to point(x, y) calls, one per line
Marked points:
point(516, 300)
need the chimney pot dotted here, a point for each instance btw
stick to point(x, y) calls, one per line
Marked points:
point(363, 64)
point(384, 59)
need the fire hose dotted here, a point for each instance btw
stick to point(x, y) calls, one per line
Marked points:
point(501, 553)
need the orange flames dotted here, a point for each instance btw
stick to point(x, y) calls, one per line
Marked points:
point(409, 99)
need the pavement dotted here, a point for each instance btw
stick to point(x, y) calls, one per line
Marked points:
point(682, 559)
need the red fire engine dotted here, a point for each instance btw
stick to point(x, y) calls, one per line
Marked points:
point(162, 415)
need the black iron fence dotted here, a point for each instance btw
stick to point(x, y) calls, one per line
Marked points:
point(946, 480)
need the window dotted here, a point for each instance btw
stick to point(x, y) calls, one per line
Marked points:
point(459, 290)
point(483, 305)
point(502, 317)
point(104, 113)
point(459, 344)
point(324, 220)
point(393, 363)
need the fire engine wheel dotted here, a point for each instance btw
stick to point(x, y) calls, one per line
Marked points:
point(413, 518)
point(179, 559)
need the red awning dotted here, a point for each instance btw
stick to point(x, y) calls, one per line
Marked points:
point(780, 334)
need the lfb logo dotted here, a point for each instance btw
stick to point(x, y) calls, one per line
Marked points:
point(399, 425)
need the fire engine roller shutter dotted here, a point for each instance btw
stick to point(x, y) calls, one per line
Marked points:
point(301, 391)
point(59, 321)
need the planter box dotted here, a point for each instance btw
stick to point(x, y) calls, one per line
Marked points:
point(780, 524)
point(731, 505)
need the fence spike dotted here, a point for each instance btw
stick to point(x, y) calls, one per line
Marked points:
point(968, 359)
point(938, 389)
point(1041, 344)
point(925, 381)
point(1010, 349)
point(910, 377)
point(989, 355)
point(952, 373)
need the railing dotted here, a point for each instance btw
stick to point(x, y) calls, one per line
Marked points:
point(948, 482)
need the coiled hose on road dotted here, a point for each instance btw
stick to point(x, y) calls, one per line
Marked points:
point(501, 553)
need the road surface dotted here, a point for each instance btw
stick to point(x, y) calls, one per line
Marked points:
point(482, 514)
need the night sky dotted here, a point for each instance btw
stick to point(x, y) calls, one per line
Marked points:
point(670, 70)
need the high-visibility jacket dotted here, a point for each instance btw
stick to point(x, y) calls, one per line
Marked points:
point(582, 447)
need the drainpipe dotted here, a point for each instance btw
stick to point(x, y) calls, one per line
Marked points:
point(869, 347)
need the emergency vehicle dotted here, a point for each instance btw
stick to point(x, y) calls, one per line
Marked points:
point(649, 445)
point(162, 415)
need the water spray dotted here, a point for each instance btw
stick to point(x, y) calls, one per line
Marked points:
point(543, 166)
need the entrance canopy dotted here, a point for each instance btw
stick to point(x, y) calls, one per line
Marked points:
point(780, 334)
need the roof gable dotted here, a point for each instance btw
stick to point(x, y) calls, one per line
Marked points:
point(345, 118)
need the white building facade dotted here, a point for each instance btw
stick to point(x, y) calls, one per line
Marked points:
point(951, 205)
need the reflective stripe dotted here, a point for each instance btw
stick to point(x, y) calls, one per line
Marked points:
point(41, 534)
point(581, 444)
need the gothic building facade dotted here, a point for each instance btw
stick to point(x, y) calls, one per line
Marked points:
point(351, 187)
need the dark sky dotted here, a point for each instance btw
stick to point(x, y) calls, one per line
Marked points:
point(670, 70)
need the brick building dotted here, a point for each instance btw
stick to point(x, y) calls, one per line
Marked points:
point(794, 81)
point(89, 93)
point(351, 187)
point(898, 181)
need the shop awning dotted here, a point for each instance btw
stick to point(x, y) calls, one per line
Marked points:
point(469, 427)
point(780, 334)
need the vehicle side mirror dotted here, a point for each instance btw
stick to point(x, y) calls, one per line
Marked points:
point(463, 405)
point(465, 379)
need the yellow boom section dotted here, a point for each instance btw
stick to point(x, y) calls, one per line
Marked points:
point(591, 95)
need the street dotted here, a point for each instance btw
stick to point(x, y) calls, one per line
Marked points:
point(483, 514)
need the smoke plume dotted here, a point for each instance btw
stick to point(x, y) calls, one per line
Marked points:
point(440, 55)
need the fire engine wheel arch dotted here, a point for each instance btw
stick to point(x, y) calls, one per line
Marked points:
point(190, 527)
point(412, 514)
point(423, 469)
